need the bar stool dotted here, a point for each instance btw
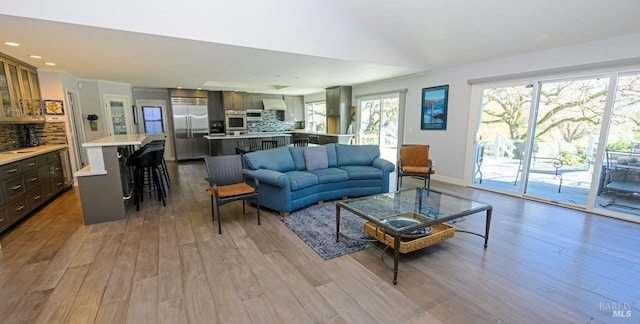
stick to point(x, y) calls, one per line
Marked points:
point(163, 169)
point(147, 159)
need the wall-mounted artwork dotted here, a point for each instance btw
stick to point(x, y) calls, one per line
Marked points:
point(53, 107)
point(434, 108)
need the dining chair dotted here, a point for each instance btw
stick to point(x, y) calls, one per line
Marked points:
point(226, 184)
point(269, 144)
point(301, 142)
point(415, 162)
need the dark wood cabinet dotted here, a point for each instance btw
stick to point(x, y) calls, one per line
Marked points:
point(253, 101)
point(233, 100)
point(214, 105)
point(27, 184)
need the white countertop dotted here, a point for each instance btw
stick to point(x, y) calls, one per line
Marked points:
point(117, 140)
point(252, 135)
point(27, 152)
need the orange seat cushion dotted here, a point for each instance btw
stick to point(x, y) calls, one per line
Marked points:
point(415, 155)
point(233, 190)
point(414, 169)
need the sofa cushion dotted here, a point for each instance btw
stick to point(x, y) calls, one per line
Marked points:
point(356, 154)
point(278, 159)
point(297, 153)
point(315, 157)
point(330, 175)
point(301, 179)
point(331, 155)
point(358, 172)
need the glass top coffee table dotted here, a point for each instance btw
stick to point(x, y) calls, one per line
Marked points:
point(405, 213)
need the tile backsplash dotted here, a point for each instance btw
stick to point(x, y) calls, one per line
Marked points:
point(13, 136)
point(270, 123)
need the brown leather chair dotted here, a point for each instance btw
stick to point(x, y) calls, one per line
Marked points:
point(414, 162)
point(226, 184)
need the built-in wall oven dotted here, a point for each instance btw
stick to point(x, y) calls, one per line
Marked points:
point(235, 121)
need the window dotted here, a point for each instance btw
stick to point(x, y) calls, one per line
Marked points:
point(317, 116)
point(153, 122)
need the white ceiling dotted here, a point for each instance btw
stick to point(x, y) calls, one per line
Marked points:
point(302, 46)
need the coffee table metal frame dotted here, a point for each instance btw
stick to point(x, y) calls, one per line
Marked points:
point(419, 201)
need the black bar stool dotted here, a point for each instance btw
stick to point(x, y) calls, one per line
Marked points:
point(149, 159)
point(163, 169)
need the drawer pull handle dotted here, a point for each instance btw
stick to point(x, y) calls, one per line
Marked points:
point(16, 187)
point(32, 164)
point(33, 179)
point(36, 197)
point(20, 208)
point(12, 170)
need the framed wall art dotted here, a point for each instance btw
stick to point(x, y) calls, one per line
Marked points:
point(434, 108)
point(53, 107)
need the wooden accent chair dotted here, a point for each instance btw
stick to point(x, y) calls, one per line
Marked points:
point(226, 184)
point(414, 162)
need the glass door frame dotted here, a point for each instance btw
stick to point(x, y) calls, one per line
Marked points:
point(475, 121)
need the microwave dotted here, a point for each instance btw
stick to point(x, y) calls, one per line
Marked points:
point(235, 120)
point(254, 114)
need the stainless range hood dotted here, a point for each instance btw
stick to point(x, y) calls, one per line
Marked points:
point(274, 104)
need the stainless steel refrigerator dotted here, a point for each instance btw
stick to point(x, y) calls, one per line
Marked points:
point(190, 124)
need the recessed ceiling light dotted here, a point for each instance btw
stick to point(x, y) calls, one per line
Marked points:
point(179, 87)
point(35, 56)
point(50, 63)
point(11, 44)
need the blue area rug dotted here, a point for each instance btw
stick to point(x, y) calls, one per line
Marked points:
point(316, 226)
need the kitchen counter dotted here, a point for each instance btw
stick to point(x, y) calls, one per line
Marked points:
point(103, 181)
point(250, 135)
point(27, 152)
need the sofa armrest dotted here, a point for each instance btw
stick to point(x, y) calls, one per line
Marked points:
point(383, 165)
point(271, 177)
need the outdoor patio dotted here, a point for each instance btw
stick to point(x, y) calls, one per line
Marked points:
point(500, 174)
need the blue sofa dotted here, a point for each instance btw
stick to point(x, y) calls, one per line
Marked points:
point(295, 177)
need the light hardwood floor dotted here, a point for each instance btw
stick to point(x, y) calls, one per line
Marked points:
point(544, 264)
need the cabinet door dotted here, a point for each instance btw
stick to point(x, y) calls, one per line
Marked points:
point(298, 108)
point(44, 173)
point(233, 100)
point(16, 94)
point(5, 95)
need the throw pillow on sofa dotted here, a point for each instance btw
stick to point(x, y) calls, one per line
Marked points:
point(315, 157)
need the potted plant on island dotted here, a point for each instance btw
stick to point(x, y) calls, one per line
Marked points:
point(93, 121)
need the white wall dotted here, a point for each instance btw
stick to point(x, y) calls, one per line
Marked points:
point(449, 147)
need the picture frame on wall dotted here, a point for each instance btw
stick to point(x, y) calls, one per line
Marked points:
point(53, 107)
point(433, 115)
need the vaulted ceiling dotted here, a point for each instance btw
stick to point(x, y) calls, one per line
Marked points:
point(293, 46)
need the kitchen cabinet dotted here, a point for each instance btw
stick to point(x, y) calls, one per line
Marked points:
point(214, 104)
point(295, 108)
point(338, 101)
point(27, 184)
point(233, 100)
point(253, 101)
point(19, 92)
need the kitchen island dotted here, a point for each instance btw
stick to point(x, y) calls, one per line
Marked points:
point(103, 183)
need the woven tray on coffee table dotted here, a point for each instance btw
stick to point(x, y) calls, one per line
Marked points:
point(439, 233)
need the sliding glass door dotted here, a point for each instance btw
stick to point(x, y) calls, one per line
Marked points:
point(618, 188)
point(567, 125)
point(544, 140)
point(378, 123)
point(504, 125)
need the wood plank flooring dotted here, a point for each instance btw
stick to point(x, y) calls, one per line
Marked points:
point(544, 264)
